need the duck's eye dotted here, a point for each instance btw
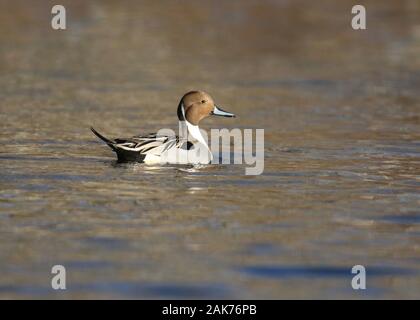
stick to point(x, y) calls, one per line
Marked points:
point(203, 101)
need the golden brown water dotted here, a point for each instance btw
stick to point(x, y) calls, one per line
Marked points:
point(341, 113)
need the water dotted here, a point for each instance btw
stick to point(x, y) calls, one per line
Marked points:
point(341, 115)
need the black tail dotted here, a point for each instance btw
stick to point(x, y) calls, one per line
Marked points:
point(106, 140)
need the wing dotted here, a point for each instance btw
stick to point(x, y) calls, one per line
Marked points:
point(147, 144)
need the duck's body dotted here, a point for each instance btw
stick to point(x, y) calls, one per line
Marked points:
point(188, 147)
point(156, 148)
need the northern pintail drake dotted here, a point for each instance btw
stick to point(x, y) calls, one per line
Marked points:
point(189, 147)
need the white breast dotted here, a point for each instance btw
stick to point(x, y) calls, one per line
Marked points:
point(152, 159)
point(197, 155)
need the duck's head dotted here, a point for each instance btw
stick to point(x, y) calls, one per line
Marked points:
point(197, 105)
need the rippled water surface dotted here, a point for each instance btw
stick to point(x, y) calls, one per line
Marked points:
point(341, 114)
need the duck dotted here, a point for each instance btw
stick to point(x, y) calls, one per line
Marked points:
point(189, 147)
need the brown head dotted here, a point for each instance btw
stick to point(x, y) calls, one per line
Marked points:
point(197, 105)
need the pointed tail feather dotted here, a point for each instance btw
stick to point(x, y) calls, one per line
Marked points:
point(106, 140)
